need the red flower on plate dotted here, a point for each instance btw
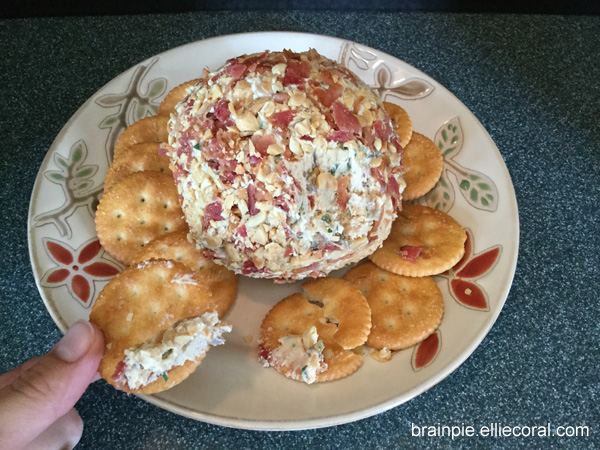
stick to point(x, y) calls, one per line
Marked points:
point(77, 269)
point(425, 352)
point(472, 266)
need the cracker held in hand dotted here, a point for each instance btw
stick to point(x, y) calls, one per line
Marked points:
point(221, 282)
point(423, 241)
point(158, 322)
point(401, 122)
point(309, 336)
point(149, 129)
point(136, 210)
point(174, 96)
point(404, 310)
point(423, 163)
point(136, 158)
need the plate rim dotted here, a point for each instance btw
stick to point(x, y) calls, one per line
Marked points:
point(338, 419)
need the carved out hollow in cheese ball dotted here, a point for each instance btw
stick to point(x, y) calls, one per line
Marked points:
point(287, 165)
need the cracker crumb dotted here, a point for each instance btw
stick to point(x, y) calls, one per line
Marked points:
point(383, 355)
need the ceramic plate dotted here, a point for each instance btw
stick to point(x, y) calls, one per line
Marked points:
point(231, 387)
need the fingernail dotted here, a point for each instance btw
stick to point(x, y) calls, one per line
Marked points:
point(76, 342)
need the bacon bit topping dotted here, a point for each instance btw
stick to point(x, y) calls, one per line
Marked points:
point(282, 119)
point(327, 77)
point(261, 143)
point(213, 211)
point(339, 136)
point(236, 71)
point(209, 254)
point(410, 253)
point(329, 95)
point(382, 129)
point(254, 160)
point(263, 353)
point(311, 201)
point(369, 137)
point(280, 202)
point(163, 150)
point(396, 143)
point(310, 268)
point(228, 177)
point(295, 73)
point(242, 231)
point(306, 137)
point(342, 191)
point(252, 209)
point(289, 252)
point(330, 247)
point(393, 188)
point(372, 238)
point(119, 371)
point(254, 61)
point(344, 119)
point(222, 110)
point(375, 172)
point(248, 267)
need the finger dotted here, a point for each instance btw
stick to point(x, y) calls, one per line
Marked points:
point(62, 434)
point(49, 388)
point(8, 377)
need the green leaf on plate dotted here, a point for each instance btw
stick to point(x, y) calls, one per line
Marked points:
point(86, 172)
point(109, 121)
point(60, 161)
point(442, 195)
point(55, 177)
point(84, 185)
point(478, 189)
point(157, 87)
point(449, 138)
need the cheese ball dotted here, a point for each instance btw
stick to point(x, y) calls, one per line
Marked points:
point(287, 165)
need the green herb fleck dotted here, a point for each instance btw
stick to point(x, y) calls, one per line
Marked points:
point(166, 354)
point(326, 218)
point(165, 376)
point(329, 230)
point(197, 146)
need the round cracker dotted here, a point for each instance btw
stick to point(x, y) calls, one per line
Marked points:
point(141, 302)
point(221, 282)
point(423, 163)
point(174, 96)
point(293, 316)
point(136, 158)
point(136, 210)
point(149, 129)
point(401, 122)
point(344, 304)
point(404, 310)
point(440, 237)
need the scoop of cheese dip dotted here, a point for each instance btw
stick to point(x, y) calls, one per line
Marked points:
point(185, 341)
point(302, 355)
point(287, 165)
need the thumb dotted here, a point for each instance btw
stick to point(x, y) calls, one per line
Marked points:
point(48, 388)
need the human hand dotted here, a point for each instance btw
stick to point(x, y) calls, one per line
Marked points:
point(37, 398)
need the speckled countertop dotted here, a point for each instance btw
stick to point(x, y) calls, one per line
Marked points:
point(533, 82)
